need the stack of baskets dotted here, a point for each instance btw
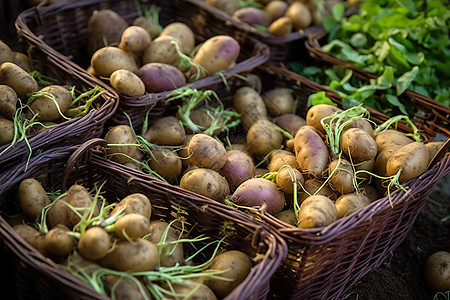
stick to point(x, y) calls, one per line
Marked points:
point(63, 28)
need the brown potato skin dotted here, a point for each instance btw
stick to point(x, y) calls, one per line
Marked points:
point(282, 157)
point(6, 131)
point(411, 158)
point(134, 203)
point(342, 178)
point(165, 131)
point(206, 152)
point(318, 112)
point(127, 83)
point(349, 203)
point(311, 151)
point(94, 243)
point(312, 185)
point(263, 137)
point(106, 60)
point(250, 105)
point(182, 33)
point(290, 122)
point(18, 79)
point(316, 211)
point(166, 163)
point(433, 148)
point(134, 39)
point(287, 216)
point(170, 254)
point(79, 198)
point(32, 197)
point(45, 108)
point(390, 138)
point(279, 101)
point(437, 271)
point(286, 177)
point(58, 242)
point(299, 14)
point(8, 101)
point(119, 287)
point(358, 145)
point(58, 213)
point(120, 134)
point(161, 50)
point(206, 182)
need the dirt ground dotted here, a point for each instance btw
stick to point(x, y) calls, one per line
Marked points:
point(401, 276)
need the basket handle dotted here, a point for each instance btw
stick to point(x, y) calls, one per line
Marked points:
point(82, 154)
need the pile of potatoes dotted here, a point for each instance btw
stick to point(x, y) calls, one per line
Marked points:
point(121, 247)
point(279, 17)
point(283, 162)
point(143, 57)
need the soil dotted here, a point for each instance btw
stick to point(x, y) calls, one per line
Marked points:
point(401, 276)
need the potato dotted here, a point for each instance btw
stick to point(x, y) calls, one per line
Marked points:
point(106, 60)
point(367, 165)
point(32, 236)
point(58, 242)
point(152, 28)
point(433, 148)
point(131, 226)
point(165, 131)
point(127, 83)
point(311, 151)
point(370, 191)
point(23, 61)
point(136, 203)
point(18, 79)
point(104, 28)
point(121, 287)
point(290, 122)
point(6, 54)
point(358, 145)
point(138, 255)
point(238, 168)
point(58, 213)
point(32, 197)
point(390, 138)
point(382, 158)
point(191, 289)
point(238, 266)
point(299, 14)
point(206, 152)
point(134, 39)
point(204, 118)
point(44, 107)
point(206, 182)
point(280, 158)
point(279, 101)
point(162, 50)
point(276, 9)
point(250, 105)
point(349, 203)
point(312, 185)
point(8, 101)
point(317, 112)
point(316, 211)
point(171, 254)
point(341, 173)
point(166, 163)
point(280, 27)
point(263, 137)
point(182, 33)
point(411, 159)
point(6, 131)
point(257, 192)
point(288, 216)
point(437, 271)
point(228, 6)
point(94, 243)
point(79, 198)
point(215, 54)
point(252, 16)
point(286, 177)
point(159, 77)
point(363, 124)
point(117, 135)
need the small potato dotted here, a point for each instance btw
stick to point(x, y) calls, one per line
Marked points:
point(238, 168)
point(159, 77)
point(79, 198)
point(216, 54)
point(134, 39)
point(6, 131)
point(228, 6)
point(166, 163)
point(18, 79)
point(280, 158)
point(190, 289)
point(32, 236)
point(8, 101)
point(127, 83)
point(287, 216)
point(165, 131)
point(238, 266)
point(390, 138)
point(286, 177)
point(311, 151)
point(32, 197)
point(341, 173)
point(182, 33)
point(290, 122)
point(358, 145)
point(171, 254)
point(411, 159)
point(121, 287)
point(433, 148)
point(276, 9)
point(206, 152)
point(206, 182)
point(250, 105)
point(58, 242)
point(58, 213)
point(263, 137)
point(106, 60)
point(23, 61)
point(44, 107)
point(370, 191)
point(138, 255)
point(317, 112)
point(316, 211)
point(136, 203)
point(437, 271)
point(299, 14)
point(132, 226)
point(162, 50)
point(279, 101)
point(312, 185)
point(252, 16)
point(280, 27)
point(146, 23)
point(116, 136)
point(349, 203)
point(6, 54)
point(94, 243)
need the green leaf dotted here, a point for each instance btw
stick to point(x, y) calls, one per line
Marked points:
point(404, 81)
point(319, 98)
point(358, 40)
point(349, 102)
point(338, 11)
point(395, 102)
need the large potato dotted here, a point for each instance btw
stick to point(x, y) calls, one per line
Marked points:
point(182, 33)
point(18, 79)
point(250, 105)
point(106, 60)
point(134, 39)
point(206, 182)
point(45, 107)
point(316, 211)
point(411, 160)
point(279, 101)
point(165, 131)
point(32, 197)
point(162, 50)
point(358, 145)
point(206, 152)
point(117, 135)
point(311, 151)
point(263, 137)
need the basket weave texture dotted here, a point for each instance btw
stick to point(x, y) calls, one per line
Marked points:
point(63, 27)
point(430, 116)
point(73, 131)
point(68, 165)
point(323, 263)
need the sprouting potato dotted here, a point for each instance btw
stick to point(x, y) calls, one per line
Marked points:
point(279, 101)
point(108, 59)
point(250, 105)
point(79, 198)
point(411, 159)
point(58, 213)
point(182, 33)
point(32, 197)
point(58, 242)
point(349, 203)
point(162, 50)
point(341, 173)
point(94, 243)
point(285, 178)
point(118, 135)
point(171, 254)
point(45, 108)
point(132, 226)
point(358, 145)
point(317, 211)
point(136, 203)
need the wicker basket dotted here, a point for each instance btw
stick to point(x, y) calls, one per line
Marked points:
point(323, 263)
point(73, 131)
point(63, 27)
point(430, 115)
point(65, 166)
